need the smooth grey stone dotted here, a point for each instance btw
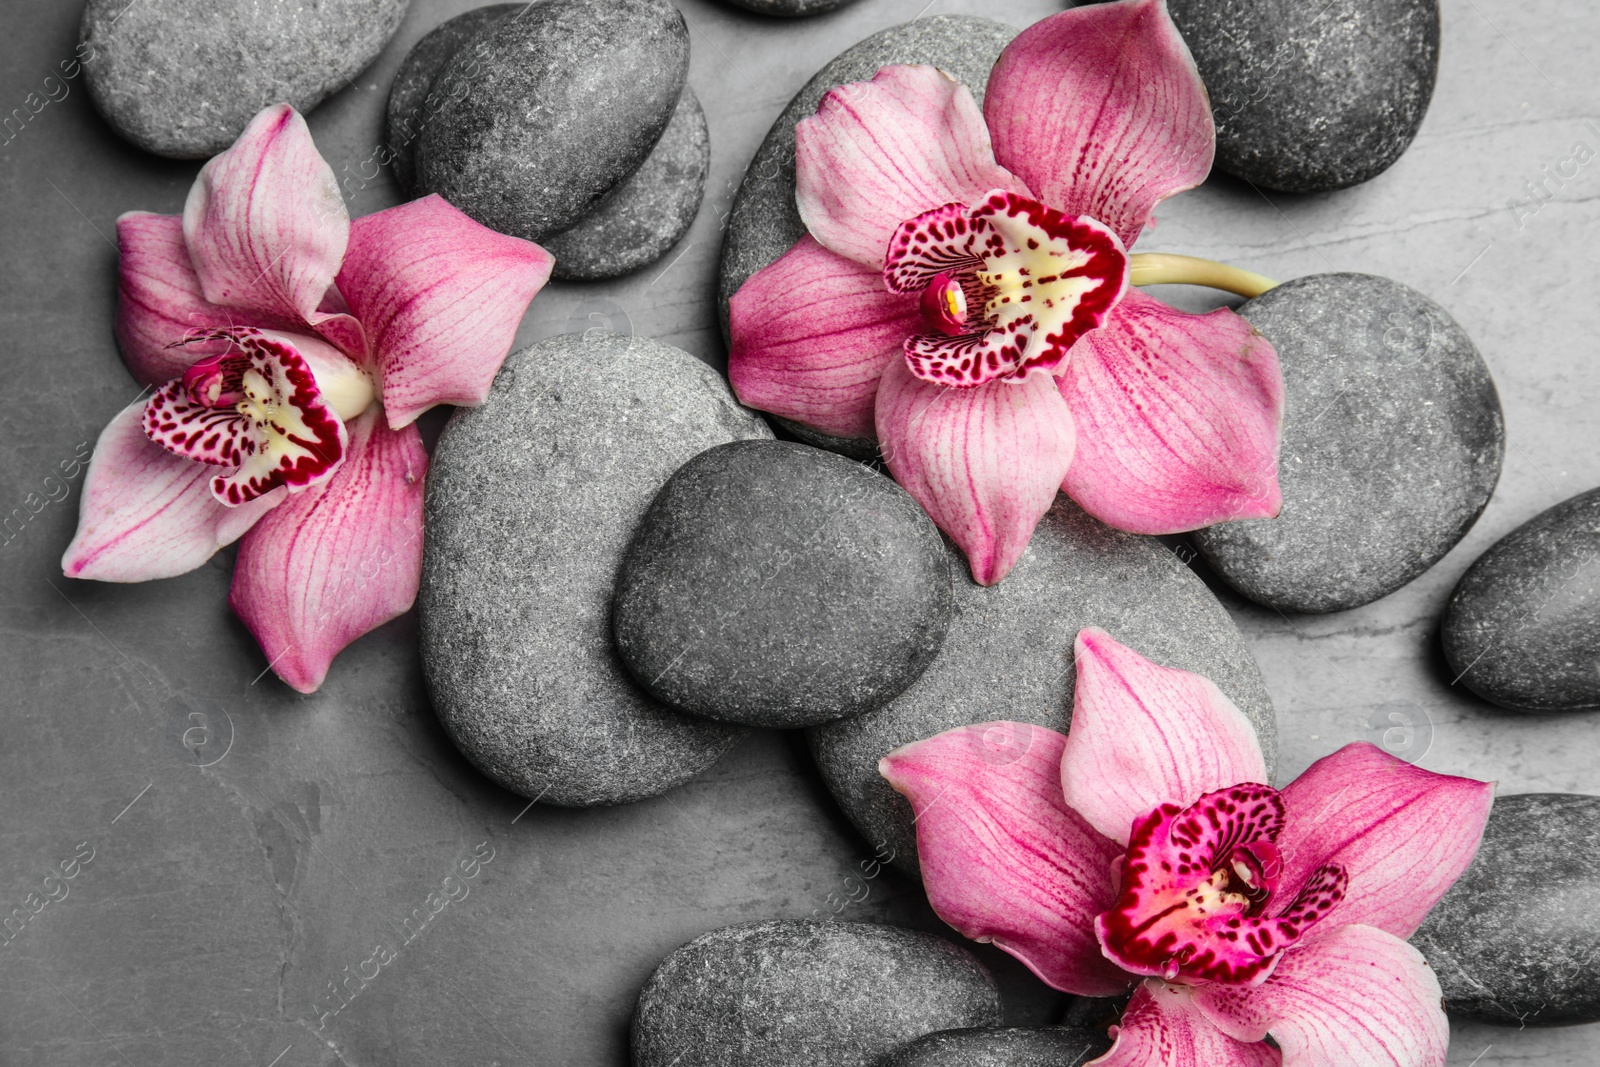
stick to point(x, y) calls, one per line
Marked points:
point(532, 499)
point(542, 118)
point(1523, 626)
point(775, 584)
point(1012, 1046)
point(1309, 97)
point(1392, 445)
point(790, 8)
point(1009, 655)
point(764, 222)
point(1516, 939)
point(800, 993)
point(182, 78)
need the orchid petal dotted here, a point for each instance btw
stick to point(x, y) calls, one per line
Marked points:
point(159, 298)
point(810, 336)
point(147, 513)
point(337, 560)
point(1162, 1028)
point(1358, 995)
point(441, 297)
point(1143, 735)
point(980, 461)
point(1404, 834)
point(1180, 418)
point(1100, 110)
point(882, 151)
point(1003, 857)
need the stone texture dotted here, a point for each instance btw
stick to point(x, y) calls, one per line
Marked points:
point(775, 584)
point(182, 78)
point(542, 119)
point(532, 499)
point(1012, 1046)
point(1310, 97)
point(1008, 655)
point(790, 8)
point(1523, 626)
point(1516, 939)
point(802, 993)
point(1392, 444)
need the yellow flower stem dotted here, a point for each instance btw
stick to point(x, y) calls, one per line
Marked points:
point(1161, 268)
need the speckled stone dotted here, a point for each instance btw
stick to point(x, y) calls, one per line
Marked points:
point(775, 584)
point(802, 993)
point(1309, 97)
point(532, 499)
point(1012, 1046)
point(790, 8)
point(542, 118)
point(1392, 445)
point(1516, 940)
point(182, 78)
point(764, 223)
point(1523, 626)
point(1008, 655)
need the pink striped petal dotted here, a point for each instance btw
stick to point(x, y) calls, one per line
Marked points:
point(440, 296)
point(1101, 111)
point(1179, 418)
point(1003, 857)
point(811, 334)
point(1144, 735)
point(265, 224)
point(882, 151)
point(1162, 1028)
point(1404, 834)
point(980, 461)
point(1357, 996)
point(159, 299)
point(337, 560)
point(147, 513)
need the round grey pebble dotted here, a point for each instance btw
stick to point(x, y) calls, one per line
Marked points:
point(1009, 655)
point(1011, 1046)
point(774, 584)
point(182, 78)
point(1522, 628)
point(1516, 939)
point(544, 115)
point(802, 993)
point(1392, 444)
point(1310, 97)
point(532, 499)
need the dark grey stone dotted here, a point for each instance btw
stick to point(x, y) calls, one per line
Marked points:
point(542, 118)
point(1008, 655)
point(532, 499)
point(801, 993)
point(1392, 444)
point(775, 584)
point(1523, 626)
point(790, 8)
point(1309, 97)
point(1517, 939)
point(182, 78)
point(1012, 1046)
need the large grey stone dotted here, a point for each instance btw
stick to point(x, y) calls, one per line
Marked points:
point(1008, 655)
point(1011, 1046)
point(532, 499)
point(1392, 445)
point(182, 78)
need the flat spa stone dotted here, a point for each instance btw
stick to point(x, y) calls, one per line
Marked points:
point(764, 223)
point(1008, 655)
point(1523, 626)
point(1012, 1046)
point(1309, 97)
point(182, 78)
point(800, 993)
point(1515, 940)
point(775, 584)
point(1392, 444)
point(545, 115)
point(532, 499)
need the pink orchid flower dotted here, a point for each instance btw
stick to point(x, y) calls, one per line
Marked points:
point(291, 351)
point(964, 293)
point(1145, 847)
